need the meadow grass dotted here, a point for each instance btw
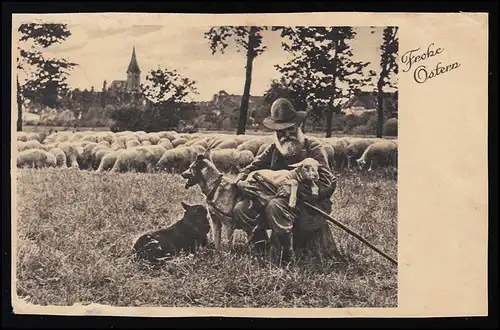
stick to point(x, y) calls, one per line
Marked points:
point(76, 228)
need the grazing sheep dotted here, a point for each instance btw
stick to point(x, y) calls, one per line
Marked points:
point(86, 161)
point(99, 153)
point(62, 136)
point(105, 143)
point(165, 143)
point(179, 141)
point(355, 149)
point(226, 144)
point(263, 147)
point(30, 144)
point(34, 137)
point(132, 143)
point(60, 157)
point(142, 137)
point(340, 153)
point(22, 136)
point(330, 154)
point(76, 137)
point(225, 160)
point(378, 154)
point(202, 142)
point(245, 158)
point(36, 158)
point(137, 159)
point(253, 145)
point(73, 153)
point(168, 135)
point(199, 149)
point(157, 151)
point(91, 138)
point(146, 143)
point(153, 138)
point(242, 138)
point(177, 159)
point(108, 159)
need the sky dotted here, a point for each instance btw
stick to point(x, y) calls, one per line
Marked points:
point(103, 51)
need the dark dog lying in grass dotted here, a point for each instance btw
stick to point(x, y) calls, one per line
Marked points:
point(187, 235)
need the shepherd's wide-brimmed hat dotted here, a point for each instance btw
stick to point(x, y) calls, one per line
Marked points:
point(283, 115)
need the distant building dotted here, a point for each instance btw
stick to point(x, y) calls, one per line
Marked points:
point(133, 82)
point(224, 102)
point(366, 102)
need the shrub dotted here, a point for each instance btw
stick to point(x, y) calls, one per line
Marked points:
point(390, 127)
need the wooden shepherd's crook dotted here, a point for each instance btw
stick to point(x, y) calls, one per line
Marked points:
point(341, 225)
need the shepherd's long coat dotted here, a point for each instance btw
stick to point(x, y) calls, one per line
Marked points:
point(272, 159)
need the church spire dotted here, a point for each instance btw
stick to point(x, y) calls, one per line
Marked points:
point(133, 67)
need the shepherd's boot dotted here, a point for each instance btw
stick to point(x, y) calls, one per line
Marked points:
point(285, 247)
point(259, 240)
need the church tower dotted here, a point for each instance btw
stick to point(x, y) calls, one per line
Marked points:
point(133, 74)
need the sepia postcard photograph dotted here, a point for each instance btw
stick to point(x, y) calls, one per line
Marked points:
point(175, 164)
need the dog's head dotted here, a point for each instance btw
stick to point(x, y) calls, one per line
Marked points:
point(197, 216)
point(147, 247)
point(308, 169)
point(199, 170)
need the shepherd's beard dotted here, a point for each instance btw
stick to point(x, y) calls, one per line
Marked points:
point(290, 146)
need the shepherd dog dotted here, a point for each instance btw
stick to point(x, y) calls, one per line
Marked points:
point(185, 235)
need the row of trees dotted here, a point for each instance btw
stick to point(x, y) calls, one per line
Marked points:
point(322, 62)
point(322, 59)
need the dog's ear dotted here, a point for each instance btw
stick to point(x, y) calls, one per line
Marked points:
point(296, 164)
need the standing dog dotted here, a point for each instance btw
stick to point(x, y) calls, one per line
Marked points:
point(187, 234)
point(222, 193)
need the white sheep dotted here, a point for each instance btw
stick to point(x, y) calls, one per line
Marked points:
point(225, 160)
point(108, 160)
point(60, 157)
point(306, 171)
point(73, 153)
point(22, 136)
point(137, 159)
point(165, 143)
point(377, 154)
point(98, 153)
point(356, 148)
point(179, 141)
point(253, 145)
point(36, 158)
point(132, 143)
point(178, 159)
point(245, 158)
point(30, 144)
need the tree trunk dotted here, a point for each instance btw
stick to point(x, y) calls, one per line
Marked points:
point(19, 108)
point(304, 125)
point(248, 81)
point(329, 113)
point(380, 109)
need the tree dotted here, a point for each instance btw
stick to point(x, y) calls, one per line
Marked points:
point(322, 67)
point(44, 77)
point(167, 85)
point(388, 66)
point(167, 93)
point(248, 39)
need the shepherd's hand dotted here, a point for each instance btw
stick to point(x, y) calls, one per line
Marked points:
point(241, 177)
point(283, 191)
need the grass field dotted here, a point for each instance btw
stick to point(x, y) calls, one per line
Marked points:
point(76, 229)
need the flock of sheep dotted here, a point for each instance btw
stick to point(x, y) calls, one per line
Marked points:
point(174, 152)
